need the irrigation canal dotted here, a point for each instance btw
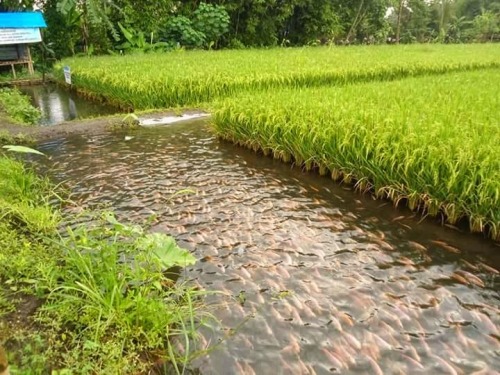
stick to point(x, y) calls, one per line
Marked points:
point(318, 279)
point(59, 105)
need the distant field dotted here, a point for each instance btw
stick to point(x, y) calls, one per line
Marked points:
point(194, 77)
point(432, 141)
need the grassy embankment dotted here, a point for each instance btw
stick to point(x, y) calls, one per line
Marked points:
point(90, 298)
point(16, 108)
point(433, 142)
point(197, 77)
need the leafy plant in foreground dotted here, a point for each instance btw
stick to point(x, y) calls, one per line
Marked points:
point(114, 290)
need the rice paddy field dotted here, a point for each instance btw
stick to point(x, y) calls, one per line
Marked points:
point(195, 77)
point(431, 141)
point(416, 124)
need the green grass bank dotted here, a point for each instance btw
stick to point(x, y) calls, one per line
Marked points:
point(165, 80)
point(16, 108)
point(95, 297)
point(432, 142)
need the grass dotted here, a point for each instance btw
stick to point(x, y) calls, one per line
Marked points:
point(18, 107)
point(22, 75)
point(96, 297)
point(197, 77)
point(432, 142)
point(7, 138)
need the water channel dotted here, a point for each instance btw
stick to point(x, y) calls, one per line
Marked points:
point(316, 279)
point(59, 105)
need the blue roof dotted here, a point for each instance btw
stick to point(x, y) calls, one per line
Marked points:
point(18, 20)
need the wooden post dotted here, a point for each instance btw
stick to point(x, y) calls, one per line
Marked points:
point(13, 70)
point(30, 62)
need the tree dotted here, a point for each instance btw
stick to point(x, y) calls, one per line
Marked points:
point(16, 5)
point(486, 26)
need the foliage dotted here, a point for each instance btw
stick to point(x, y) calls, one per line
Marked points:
point(180, 30)
point(194, 77)
point(24, 198)
point(211, 20)
point(136, 41)
point(148, 16)
point(114, 292)
point(22, 149)
point(18, 107)
point(76, 26)
point(15, 5)
point(7, 138)
point(486, 26)
point(434, 145)
point(108, 301)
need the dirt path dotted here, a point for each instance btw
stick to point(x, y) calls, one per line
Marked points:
point(91, 126)
point(85, 126)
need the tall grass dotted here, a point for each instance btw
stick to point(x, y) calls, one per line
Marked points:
point(195, 77)
point(24, 198)
point(433, 142)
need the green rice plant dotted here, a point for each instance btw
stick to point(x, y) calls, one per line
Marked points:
point(195, 77)
point(18, 107)
point(432, 142)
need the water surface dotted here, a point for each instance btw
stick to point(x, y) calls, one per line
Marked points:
point(59, 105)
point(318, 279)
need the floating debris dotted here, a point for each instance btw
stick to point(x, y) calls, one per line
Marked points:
point(167, 120)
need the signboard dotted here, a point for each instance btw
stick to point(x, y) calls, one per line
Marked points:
point(20, 36)
point(67, 75)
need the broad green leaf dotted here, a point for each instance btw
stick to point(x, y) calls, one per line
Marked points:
point(22, 149)
point(166, 250)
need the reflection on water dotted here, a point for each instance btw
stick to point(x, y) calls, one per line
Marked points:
point(58, 105)
point(317, 279)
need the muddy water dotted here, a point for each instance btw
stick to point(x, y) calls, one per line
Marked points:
point(58, 105)
point(317, 279)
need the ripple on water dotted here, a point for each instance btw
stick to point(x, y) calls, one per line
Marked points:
point(317, 279)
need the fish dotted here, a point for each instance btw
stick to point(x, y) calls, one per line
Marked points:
point(472, 279)
point(346, 319)
point(412, 361)
point(414, 353)
point(445, 365)
point(416, 246)
point(375, 367)
point(334, 359)
point(488, 268)
point(470, 265)
point(460, 279)
point(445, 246)
point(293, 347)
point(398, 218)
point(381, 343)
point(335, 323)
point(351, 340)
point(344, 355)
